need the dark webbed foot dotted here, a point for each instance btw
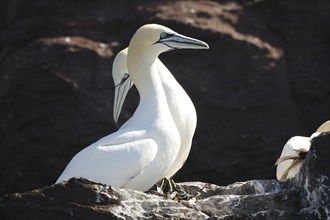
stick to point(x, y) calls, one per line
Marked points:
point(163, 188)
point(171, 190)
point(166, 186)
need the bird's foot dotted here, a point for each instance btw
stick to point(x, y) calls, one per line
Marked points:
point(163, 188)
point(166, 186)
point(169, 189)
point(173, 191)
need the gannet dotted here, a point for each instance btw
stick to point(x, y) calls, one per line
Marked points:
point(293, 153)
point(180, 105)
point(142, 151)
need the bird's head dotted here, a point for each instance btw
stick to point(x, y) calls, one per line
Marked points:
point(159, 39)
point(119, 66)
point(122, 81)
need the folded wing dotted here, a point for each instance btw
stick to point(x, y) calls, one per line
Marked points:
point(114, 165)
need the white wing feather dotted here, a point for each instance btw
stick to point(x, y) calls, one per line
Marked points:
point(121, 162)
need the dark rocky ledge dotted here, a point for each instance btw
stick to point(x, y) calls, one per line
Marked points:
point(304, 197)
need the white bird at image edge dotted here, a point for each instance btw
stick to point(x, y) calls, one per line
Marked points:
point(292, 156)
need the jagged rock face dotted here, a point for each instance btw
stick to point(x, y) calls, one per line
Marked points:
point(314, 180)
point(82, 199)
point(304, 197)
point(267, 69)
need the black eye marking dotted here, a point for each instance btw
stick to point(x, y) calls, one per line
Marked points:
point(125, 77)
point(164, 35)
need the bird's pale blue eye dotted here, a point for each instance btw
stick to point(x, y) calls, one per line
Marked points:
point(126, 75)
point(163, 35)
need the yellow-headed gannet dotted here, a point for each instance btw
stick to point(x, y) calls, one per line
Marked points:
point(142, 151)
point(293, 154)
point(181, 107)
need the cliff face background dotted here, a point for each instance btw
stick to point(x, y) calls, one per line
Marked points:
point(264, 79)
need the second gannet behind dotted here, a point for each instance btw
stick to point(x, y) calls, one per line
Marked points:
point(121, 80)
point(140, 153)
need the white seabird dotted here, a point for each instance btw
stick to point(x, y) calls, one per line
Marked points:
point(140, 153)
point(293, 153)
point(180, 105)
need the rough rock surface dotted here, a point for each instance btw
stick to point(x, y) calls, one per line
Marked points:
point(264, 79)
point(304, 197)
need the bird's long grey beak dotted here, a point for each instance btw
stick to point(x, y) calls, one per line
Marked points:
point(178, 41)
point(121, 91)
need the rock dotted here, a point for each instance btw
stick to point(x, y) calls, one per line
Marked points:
point(252, 199)
point(267, 69)
point(83, 199)
point(304, 197)
point(314, 180)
